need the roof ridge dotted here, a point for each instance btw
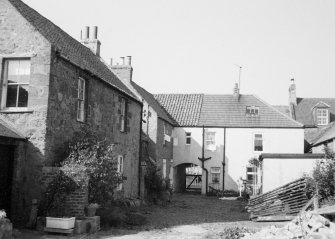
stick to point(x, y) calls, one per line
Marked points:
point(289, 118)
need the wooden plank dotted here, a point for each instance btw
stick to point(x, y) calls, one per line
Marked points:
point(330, 210)
point(276, 218)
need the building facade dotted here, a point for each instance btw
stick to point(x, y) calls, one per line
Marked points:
point(227, 132)
point(51, 85)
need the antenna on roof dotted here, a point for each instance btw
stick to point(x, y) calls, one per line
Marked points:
point(239, 76)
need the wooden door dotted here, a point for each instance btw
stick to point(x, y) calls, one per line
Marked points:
point(6, 175)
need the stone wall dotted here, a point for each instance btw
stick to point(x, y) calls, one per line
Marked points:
point(20, 40)
point(164, 150)
point(102, 115)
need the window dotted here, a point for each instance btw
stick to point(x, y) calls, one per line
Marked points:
point(188, 138)
point(16, 83)
point(119, 170)
point(252, 180)
point(167, 137)
point(123, 115)
point(210, 140)
point(215, 175)
point(164, 168)
point(252, 110)
point(322, 116)
point(81, 100)
point(258, 142)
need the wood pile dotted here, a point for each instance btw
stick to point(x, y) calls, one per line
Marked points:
point(280, 204)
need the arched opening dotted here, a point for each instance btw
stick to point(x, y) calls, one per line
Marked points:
point(187, 178)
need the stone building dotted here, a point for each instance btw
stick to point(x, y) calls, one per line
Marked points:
point(157, 124)
point(51, 84)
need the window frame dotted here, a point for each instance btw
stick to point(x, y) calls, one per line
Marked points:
point(209, 147)
point(123, 115)
point(254, 142)
point(321, 117)
point(252, 110)
point(120, 167)
point(188, 136)
point(217, 172)
point(4, 82)
point(81, 101)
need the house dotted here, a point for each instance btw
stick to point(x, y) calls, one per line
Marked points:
point(222, 134)
point(157, 125)
point(315, 113)
point(51, 85)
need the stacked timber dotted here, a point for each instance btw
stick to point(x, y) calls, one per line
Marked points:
point(282, 203)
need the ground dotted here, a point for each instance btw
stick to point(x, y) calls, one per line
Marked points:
point(187, 216)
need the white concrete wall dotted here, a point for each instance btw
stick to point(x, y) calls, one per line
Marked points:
point(239, 148)
point(277, 172)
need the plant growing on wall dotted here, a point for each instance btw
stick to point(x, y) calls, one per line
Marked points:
point(98, 160)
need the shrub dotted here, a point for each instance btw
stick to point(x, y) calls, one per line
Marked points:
point(322, 180)
point(98, 160)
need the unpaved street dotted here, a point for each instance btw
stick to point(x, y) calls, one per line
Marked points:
point(188, 216)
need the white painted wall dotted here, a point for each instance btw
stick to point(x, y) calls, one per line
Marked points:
point(277, 172)
point(239, 148)
point(240, 145)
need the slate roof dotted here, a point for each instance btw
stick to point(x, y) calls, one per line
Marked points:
point(70, 48)
point(304, 107)
point(184, 108)
point(148, 97)
point(8, 131)
point(223, 111)
point(325, 134)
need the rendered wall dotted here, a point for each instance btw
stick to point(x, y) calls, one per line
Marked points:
point(277, 172)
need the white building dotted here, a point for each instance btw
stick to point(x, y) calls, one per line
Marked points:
point(233, 129)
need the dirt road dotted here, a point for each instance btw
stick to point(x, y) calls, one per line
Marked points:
point(188, 216)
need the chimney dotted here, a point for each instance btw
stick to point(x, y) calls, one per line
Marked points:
point(236, 91)
point(292, 93)
point(89, 38)
point(123, 69)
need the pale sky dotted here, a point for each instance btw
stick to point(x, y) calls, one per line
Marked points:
point(193, 46)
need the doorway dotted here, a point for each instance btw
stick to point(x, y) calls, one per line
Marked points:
point(6, 176)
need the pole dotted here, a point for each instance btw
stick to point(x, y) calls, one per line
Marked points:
point(203, 159)
point(224, 158)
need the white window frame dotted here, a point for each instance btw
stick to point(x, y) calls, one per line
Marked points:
point(123, 114)
point(188, 136)
point(322, 116)
point(120, 166)
point(252, 110)
point(81, 100)
point(210, 142)
point(164, 168)
point(5, 85)
point(254, 139)
point(217, 172)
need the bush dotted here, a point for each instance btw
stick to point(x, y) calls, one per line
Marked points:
point(98, 160)
point(322, 180)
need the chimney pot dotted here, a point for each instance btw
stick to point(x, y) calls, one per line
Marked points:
point(94, 33)
point(85, 33)
point(128, 60)
point(292, 93)
point(122, 60)
point(111, 61)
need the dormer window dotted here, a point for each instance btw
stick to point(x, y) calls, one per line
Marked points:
point(252, 110)
point(322, 116)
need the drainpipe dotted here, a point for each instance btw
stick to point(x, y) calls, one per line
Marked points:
point(203, 159)
point(224, 158)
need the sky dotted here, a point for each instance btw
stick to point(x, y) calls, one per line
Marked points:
point(197, 46)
